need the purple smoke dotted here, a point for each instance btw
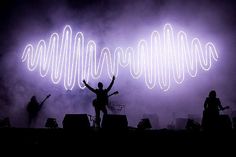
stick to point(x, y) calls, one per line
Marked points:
point(114, 23)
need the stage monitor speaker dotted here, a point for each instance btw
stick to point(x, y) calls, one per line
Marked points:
point(192, 125)
point(144, 124)
point(76, 121)
point(114, 122)
point(5, 123)
point(51, 123)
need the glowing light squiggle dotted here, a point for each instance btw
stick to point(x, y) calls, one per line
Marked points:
point(69, 59)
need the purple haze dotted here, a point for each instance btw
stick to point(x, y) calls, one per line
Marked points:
point(115, 23)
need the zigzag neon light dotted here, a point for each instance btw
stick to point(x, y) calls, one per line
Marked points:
point(161, 60)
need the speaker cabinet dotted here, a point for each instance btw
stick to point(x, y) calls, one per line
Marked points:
point(114, 122)
point(76, 121)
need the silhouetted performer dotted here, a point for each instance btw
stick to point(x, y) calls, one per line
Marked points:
point(33, 107)
point(211, 113)
point(101, 101)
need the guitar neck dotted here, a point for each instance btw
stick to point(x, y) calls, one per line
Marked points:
point(224, 108)
point(41, 104)
point(43, 101)
point(112, 94)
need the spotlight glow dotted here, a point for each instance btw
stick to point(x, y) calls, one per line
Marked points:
point(160, 60)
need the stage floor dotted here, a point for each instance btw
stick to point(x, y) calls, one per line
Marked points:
point(125, 137)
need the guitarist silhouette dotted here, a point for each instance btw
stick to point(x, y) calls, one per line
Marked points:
point(33, 107)
point(211, 113)
point(101, 101)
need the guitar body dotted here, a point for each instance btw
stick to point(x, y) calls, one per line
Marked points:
point(104, 102)
point(33, 108)
point(99, 105)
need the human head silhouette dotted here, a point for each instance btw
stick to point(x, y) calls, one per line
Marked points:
point(212, 94)
point(100, 85)
point(33, 98)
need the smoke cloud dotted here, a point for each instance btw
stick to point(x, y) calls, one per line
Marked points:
point(114, 23)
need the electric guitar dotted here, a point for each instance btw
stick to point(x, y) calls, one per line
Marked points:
point(224, 108)
point(206, 111)
point(33, 108)
point(95, 103)
point(41, 104)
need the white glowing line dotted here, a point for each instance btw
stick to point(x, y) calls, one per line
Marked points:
point(70, 60)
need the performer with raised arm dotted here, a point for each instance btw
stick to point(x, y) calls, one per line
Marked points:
point(101, 101)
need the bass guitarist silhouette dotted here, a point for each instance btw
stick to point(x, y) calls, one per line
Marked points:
point(34, 107)
point(101, 101)
point(211, 113)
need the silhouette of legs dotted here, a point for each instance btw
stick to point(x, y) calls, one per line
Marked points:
point(210, 121)
point(97, 112)
point(97, 119)
point(104, 110)
point(32, 120)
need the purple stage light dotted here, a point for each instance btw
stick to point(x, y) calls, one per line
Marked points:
point(67, 58)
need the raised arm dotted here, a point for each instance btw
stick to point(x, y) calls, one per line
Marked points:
point(111, 84)
point(89, 87)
